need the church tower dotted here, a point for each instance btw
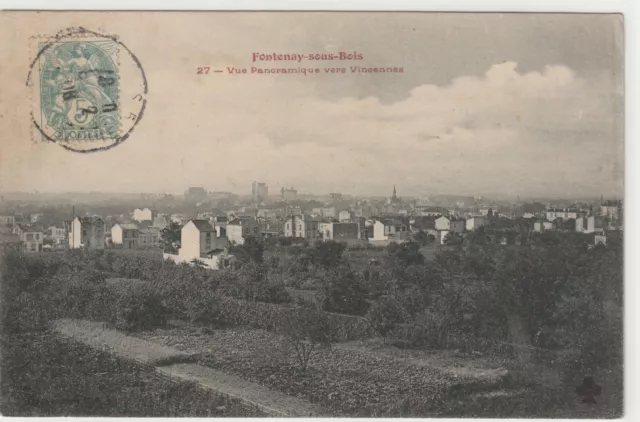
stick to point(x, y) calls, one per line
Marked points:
point(394, 197)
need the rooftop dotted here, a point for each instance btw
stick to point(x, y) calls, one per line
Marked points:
point(203, 225)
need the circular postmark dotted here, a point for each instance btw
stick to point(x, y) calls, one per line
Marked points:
point(88, 90)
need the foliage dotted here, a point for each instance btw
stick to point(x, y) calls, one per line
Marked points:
point(251, 250)
point(423, 238)
point(385, 314)
point(328, 254)
point(137, 306)
point(307, 330)
point(344, 291)
point(170, 237)
point(406, 253)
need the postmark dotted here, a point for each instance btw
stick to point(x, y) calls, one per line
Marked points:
point(88, 90)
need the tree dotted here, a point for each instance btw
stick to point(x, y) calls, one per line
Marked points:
point(384, 314)
point(452, 239)
point(170, 237)
point(251, 250)
point(344, 292)
point(328, 254)
point(406, 253)
point(307, 330)
point(423, 238)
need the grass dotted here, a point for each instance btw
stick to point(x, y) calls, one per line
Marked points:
point(43, 375)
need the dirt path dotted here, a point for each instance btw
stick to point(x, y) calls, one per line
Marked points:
point(170, 363)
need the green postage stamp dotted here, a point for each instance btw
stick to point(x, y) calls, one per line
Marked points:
point(79, 90)
point(88, 90)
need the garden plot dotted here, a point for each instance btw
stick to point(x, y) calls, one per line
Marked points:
point(346, 382)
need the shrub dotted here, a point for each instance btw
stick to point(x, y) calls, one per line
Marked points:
point(137, 306)
point(385, 314)
point(307, 330)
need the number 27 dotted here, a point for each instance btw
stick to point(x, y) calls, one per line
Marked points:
point(203, 70)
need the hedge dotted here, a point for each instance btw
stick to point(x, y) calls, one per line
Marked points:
point(273, 317)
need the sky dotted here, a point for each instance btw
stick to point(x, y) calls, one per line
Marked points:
point(527, 105)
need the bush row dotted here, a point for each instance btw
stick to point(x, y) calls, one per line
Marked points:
point(273, 317)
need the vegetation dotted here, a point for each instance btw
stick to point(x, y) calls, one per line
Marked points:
point(42, 375)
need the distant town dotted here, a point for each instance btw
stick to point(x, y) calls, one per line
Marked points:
point(210, 222)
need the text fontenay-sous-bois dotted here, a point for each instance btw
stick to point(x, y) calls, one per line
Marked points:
point(298, 58)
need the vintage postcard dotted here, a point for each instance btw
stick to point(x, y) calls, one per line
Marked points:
point(311, 214)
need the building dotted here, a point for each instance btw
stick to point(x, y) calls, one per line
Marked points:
point(288, 194)
point(32, 237)
point(149, 237)
point(267, 214)
point(144, 214)
point(443, 223)
point(588, 224)
point(57, 234)
point(35, 217)
point(340, 232)
point(600, 238)
point(87, 232)
point(10, 241)
point(198, 241)
point(387, 228)
point(422, 223)
point(543, 225)
point(612, 210)
point(7, 220)
point(259, 192)
point(564, 213)
point(126, 235)
point(239, 229)
point(474, 222)
point(301, 226)
point(329, 212)
point(457, 225)
point(344, 216)
point(431, 211)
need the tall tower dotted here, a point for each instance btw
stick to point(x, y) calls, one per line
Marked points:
point(394, 197)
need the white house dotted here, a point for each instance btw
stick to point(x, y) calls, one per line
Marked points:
point(475, 222)
point(386, 229)
point(564, 213)
point(198, 241)
point(125, 235)
point(541, 226)
point(239, 228)
point(87, 232)
point(32, 237)
point(57, 234)
point(301, 226)
point(443, 223)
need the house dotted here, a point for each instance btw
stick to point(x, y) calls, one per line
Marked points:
point(329, 212)
point(32, 237)
point(239, 229)
point(266, 214)
point(443, 223)
point(125, 234)
point(564, 213)
point(345, 215)
point(144, 214)
point(543, 225)
point(474, 222)
point(7, 220)
point(34, 217)
point(57, 234)
point(457, 225)
point(149, 237)
point(87, 232)
point(588, 224)
point(611, 210)
point(302, 226)
point(387, 228)
point(198, 241)
point(600, 238)
point(9, 241)
point(422, 223)
point(340, 231)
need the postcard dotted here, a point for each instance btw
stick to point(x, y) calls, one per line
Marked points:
point(311, 214)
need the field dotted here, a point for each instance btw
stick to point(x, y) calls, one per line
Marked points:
point(43, 375)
